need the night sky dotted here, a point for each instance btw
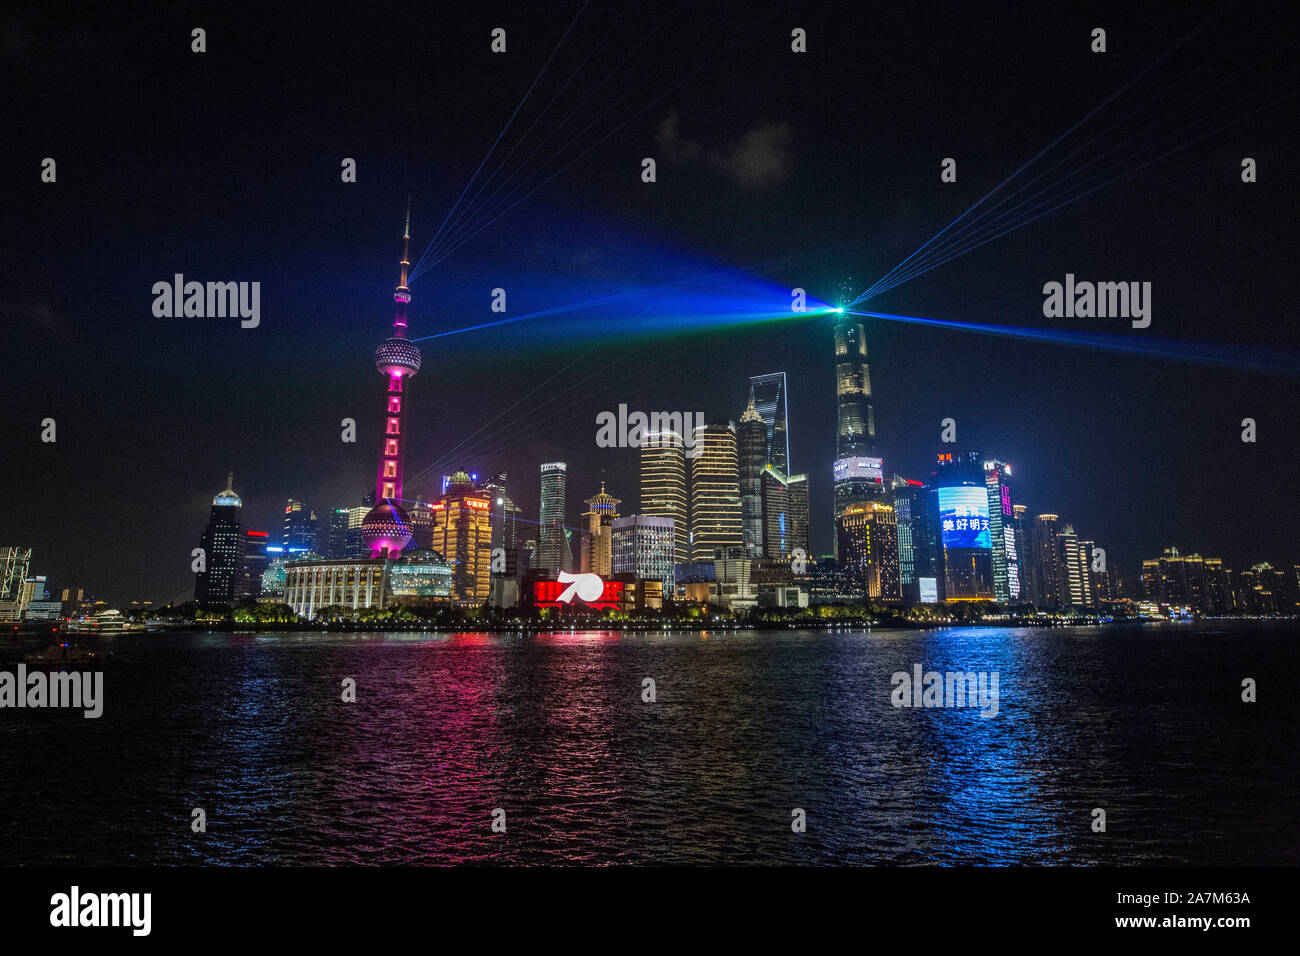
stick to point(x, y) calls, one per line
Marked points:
point(810, 168)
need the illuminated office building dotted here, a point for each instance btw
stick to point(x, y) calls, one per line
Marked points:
point(1002, 532)
point(301, 527)
point(1049, 575)
point(222, 545)
point(868, 549)
point(767, 395)
point(553, 552)
point(663, 487)
point(462, 535)
point(715, 492)
point(965, 540)
point(644, 545)
point(775, 513)
point(752, 456)
point(797, 488)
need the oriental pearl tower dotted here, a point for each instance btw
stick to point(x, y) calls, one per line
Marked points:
point(386, 529)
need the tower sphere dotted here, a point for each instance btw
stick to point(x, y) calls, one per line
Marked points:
point(397, 356)
point(386, 530)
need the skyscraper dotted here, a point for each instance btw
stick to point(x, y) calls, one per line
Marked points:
point(385, 529)
point(868, 547)
point(965, 542)
point(1006, 558)
point(462, 534)
point(505, 523)
point(553, 542)
point(14, 565)
point(775, 500)
point(715, 492)
point(643, 545)
point(663, 487)
point(222, 545)
point(752, 437)
point(597, 556)
point(252, 566)
point(301, 527)
point(336, 533)
point(1047, 562)
point(858, 469)
point(422, 523)
point(767, 395)
point(797, 487)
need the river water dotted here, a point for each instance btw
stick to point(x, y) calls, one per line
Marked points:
point(1146, 723)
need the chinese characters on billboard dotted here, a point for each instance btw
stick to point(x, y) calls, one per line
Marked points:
point(964, 517)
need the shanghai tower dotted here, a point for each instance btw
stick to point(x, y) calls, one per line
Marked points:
point(858, 468)
point(386, 529)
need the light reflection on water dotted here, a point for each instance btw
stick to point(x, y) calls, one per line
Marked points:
point(1145, 723)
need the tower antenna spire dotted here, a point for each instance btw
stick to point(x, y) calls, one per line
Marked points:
point(406, 248)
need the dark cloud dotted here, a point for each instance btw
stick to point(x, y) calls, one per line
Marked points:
point(760, 159)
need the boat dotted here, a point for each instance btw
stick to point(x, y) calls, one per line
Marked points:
point(104, 622)
point(68, 655)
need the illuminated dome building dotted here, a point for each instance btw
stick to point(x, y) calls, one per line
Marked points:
point(420, 576)
point(386, 530)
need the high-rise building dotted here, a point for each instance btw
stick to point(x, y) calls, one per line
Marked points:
point(868, 548)
point(1021, 538)
point(1002, 532)
point(1050, 576)
point(222, 545)
point(336, 533)
point(858, 470)
point(644, 545)
point(462, 534)
point(386, 529)
point(916, 550)
point(553, 551)
point(775, 512)
point(1189, 580)
point(506, 517)
point(422, 525)
point(597, 551)
point(715, 492)
point(767, 395)
point(1074, 586)
point(301, 527)
point(965, 541)
point(752, 438)
point(14, 566)
point(797, 487)
point(663, 486)
point(252, 566)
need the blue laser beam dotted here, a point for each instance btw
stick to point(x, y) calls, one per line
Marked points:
point(1257, 358)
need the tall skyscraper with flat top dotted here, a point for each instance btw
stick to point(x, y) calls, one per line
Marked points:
point(553, 543)
point(767, 395)
point(386, 528)
point(715, 492)
point(663, 487)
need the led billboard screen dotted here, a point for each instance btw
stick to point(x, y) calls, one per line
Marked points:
point(964, 517)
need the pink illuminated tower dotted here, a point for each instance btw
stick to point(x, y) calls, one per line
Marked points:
point(386, 528)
